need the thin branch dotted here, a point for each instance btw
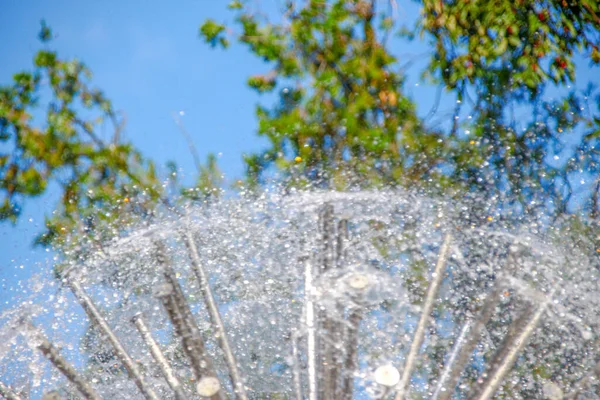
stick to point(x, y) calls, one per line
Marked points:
point(434, 286)
point(159, 357)
point(89, 132)
point(97, 319)
point(192, 343)
point(436, 103)
point(181, 317)
point(412, 59)
point(454, 367)
point(394, 6)
point(591, 11)
point(515, 341)
point(53, 355)
point(7, 393)
point(190, 142)
point(215, 317)
point(393, 11)
point(457, 109)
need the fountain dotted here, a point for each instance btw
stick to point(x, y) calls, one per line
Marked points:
point(312, 295)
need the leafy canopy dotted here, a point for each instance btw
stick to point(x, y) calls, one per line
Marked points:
point(104, 184)
point(343, 117)
point(93, 174)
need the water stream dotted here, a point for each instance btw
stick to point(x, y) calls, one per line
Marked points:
point(382, 294)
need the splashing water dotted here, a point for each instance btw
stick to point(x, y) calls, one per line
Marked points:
point(312, 295)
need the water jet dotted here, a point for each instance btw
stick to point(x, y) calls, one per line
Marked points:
point(318, 296)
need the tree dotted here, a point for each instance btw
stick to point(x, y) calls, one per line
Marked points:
point(343, 118)
point(342, 121)
point(501, 56)
point(101, 181)
point(105, 185)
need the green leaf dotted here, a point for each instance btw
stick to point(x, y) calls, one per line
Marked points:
point(235, 5)
point(262, 83)
point(212, 32)
point(45, 34)
point(501, 47)
point(514, 41)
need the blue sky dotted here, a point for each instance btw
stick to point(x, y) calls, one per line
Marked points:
point(148, 59)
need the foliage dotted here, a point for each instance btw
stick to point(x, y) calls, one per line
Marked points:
point(209, 181)
point(104, 185)
point(503, 59)
point(343, 117)
point(92, 173)
point(343, 109)
point(524, 43)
